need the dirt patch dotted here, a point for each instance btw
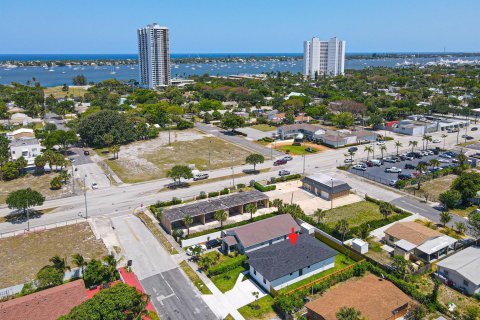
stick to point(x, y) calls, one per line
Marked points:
point(149, 160)
point(23, 256)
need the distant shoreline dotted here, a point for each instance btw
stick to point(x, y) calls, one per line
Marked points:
point(25, 60)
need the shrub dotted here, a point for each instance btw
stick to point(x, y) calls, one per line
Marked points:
point(202, 195)
point(262, 188)
point(172, 202)
point(225, 191)
point(56, 183)
point(227, 265)
point(241, 185)
point(251, 183)
point(289, 177)
point(213, 194)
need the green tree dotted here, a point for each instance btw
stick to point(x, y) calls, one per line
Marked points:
point(79, 80)
point(460, 227)
point(255, 159)
point(293, 209)
point(178, 172)
point(10, 171)
point(445, 217)
point(383, 148)
point(251, 208)
point(398, 144)
point(450, 198)
point(385, 209)
point(221, 216)
point(65, 138)
point(187, 221)
point(23, 199)
point(344, 120)
point(232, 121)
point(40, 163)
point(120, 302)
point(4, 150)
point(444, 136)
point(402, 268)
point(368, 149)
point(56, 183)
point(48, 277)
point(59, 263)
point(474, 224)
point(468, 184)
point(413, 144)
point(342, 228)
point(348, 313)
point(96, 273)
point(115, 150)
point(320, 215)
point(79, 261)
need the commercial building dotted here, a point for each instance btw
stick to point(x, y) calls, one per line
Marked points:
point(203, 211)
point(46, 304)
point(325, 186)
point(323, 58)
point(461, 270)
point(154, 56)
point(375, 298)
point(417, 125)
point(259, 234)
point(28, 148)
point(414, 240)
point(282, 264)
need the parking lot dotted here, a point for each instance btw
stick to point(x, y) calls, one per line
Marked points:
point(378, 173)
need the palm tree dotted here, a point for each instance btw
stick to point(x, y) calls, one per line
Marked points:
point(351, 153)
point(251, 208)
point(79, 261)
point(348, 313)
point(434, 162)
point(342, 227)
point(462, 158)
point(59, 263)
point(421, 167)
point(115, 151)
point(221, 216)
point(187, 221)
point(428, 139)
point(319, 214)
point(460, 227)
point(398, 144)
point(294, 210)
point(443, 137)
point(445, 217)
point(368, 149)
point(413, 143)
point(382, 149)
point(385, 209)
point(112, 265)
point(278, 203)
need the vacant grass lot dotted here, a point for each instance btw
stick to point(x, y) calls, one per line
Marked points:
point(264, 127)
point(356, 214)
point(434, 187)
point(297, 150)
point(23, 256)
point(40, 183)
point(262, 309)
point(149, 160)
point(59, 93)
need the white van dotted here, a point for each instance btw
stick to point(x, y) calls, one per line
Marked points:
point(200, 176)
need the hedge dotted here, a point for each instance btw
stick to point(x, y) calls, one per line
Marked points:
point(224, 191)
point(231, 225)
point(288, 178)
point(227, 265)
point(213, 194)
point(262, 188)
point(172, 202)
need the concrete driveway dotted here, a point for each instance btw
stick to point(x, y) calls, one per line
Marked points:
point(241, 294)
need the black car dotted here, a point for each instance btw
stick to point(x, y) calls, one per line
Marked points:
point(469, 138)
point(279, 162)
point(86, 152)
point(474, 129)
point(404, 176)
point(409, 166)
point(213, 244)
point(352, 149)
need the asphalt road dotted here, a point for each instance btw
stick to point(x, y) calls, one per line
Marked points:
point(171, 292)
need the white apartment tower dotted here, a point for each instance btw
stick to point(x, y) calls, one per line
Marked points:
point(154, 56)
point(323, 58)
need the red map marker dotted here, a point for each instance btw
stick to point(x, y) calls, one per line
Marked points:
point(293, 237)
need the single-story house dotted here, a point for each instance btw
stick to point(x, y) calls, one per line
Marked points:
point(28, 148)
point(341, 138)
point(281, 264)
point(375, 298)
point(325, 186)
point(20, 134)
point(462, 270)
point(290, 131)
point(412, 239)
point(203, 211)
point(46, 304)
point(259, 234)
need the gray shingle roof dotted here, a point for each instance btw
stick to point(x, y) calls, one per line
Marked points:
point(281, 259)
point(465, 262)
point(24, 142)
point(324, 183)
point(177, 213)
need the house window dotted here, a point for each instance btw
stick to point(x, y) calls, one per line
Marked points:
point(264, 281)
point(391, 238)
point(254, 272)
point(465, 283)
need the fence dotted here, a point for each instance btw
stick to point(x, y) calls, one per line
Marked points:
point(369, 176)
point(41, 227)
point(200, 239)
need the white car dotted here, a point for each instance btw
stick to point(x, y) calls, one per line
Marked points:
point(436, 141)
point(380, 143)
point(348, 160)
point(446, 156)
point(288, 158)
point(360, 167)
point(94, 186)
point(443, 160)
point(282, 173)
point(393, 170)
point(193, 248)
point(392, 183)
point(389, 159)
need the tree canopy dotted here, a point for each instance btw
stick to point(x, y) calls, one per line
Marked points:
point(24, 198)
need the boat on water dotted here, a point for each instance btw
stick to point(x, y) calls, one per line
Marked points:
point(113, 71)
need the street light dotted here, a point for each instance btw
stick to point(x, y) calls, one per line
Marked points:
point(209, 155)
point(331, 198)
point(85, 194)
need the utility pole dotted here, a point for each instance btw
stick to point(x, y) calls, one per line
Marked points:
point(209, 155)
point(331, 198)
point(73, 179)
point(458, 134)
point(304, 164)
point(28, 218)
point(233, 175)
point(85, 194)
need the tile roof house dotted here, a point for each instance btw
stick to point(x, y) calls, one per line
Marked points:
point(259, 234)
point(282, 264)
point(462, 270)
point(375, 298)
point(414, 239)
point(48, 304)
point(325, 186)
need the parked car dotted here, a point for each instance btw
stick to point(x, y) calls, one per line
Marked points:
point(404, 176)
point(86, 152)
point(406, 157)
point(352, 149)
point(360, 167)
point(380, 143)
point(446, 156)
point(389, 159)
point(348, 160)
point(393, 170)
point(392, 183)
point(282, 173)
point(213, 243)
point(409, 166)
point(94, 186)
point(397, 158)
point(464, 136)
point(469, 138)
point(288, 158)
point(374, 162)
point(441, 160)
point(279, 162)
point(474, 129)
point(202, 248)
point(436, 141)
point(200, 176)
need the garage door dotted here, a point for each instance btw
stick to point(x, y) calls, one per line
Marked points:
point(324, 195)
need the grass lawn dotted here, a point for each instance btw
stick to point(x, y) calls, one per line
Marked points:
point(194, 278)
point(341, 262)
point(463, 211)
point(296, 150)
point(356, 214)
point(40, 183)
point(59, 93)
point(157, 233)
point(23, 256)
point(264, 127)
point(226, 281)
point(262, 309)
point(148, 160)
point(434, 187)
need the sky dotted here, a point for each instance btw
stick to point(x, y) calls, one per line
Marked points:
point(234, 26)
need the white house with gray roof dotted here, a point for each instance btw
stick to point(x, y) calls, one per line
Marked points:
point(462, 270)
point(26, 148)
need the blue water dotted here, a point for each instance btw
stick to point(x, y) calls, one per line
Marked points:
point(63, 75)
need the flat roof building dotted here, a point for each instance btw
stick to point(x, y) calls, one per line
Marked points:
point(325, 186)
